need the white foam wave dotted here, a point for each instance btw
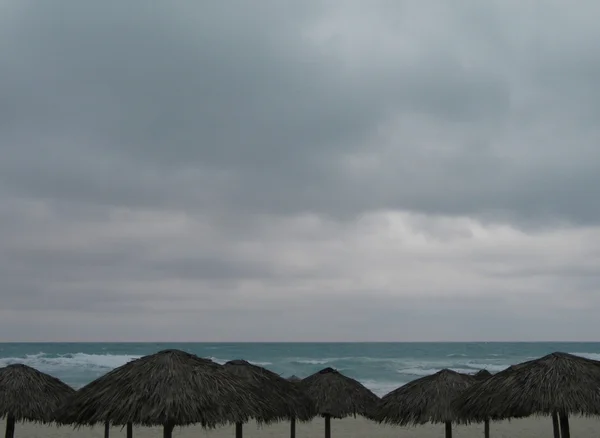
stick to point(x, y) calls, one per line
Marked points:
point(429, 371)
point(470, 368)
point(492, 368)
point(593, 356)
point(381, 388)
point(456, 355)
point(356, 359)
point(313, 361)
point(260, 364)
point(44, 362)
point(224, 361)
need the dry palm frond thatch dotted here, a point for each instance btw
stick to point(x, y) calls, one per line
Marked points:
point(287, 399)
point(558, 383)
point(289, 402)
point(424, 400)
point(482, 375)
point(27, 394)
point(338, 396)
point(168, 388)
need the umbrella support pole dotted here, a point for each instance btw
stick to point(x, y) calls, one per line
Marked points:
point(168, 430)
point(327, 426)
point(10, 427)
point(555, 425)
point(129, 430)
point(239, 431)
point(448, 429)
point(486, 429)
point(564, 426)
point(293, 428)
point(106, 430)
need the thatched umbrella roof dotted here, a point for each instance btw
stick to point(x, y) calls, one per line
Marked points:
point(338, 396)
point(168, 388)
point(424, 400)
point(27, 394)
point(482, 375)
point(556, 383)
point(286, 398)
point(294, 378)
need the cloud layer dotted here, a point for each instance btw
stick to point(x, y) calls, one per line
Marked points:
point(378, 171)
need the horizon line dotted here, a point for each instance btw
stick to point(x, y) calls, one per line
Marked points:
point(299, 342)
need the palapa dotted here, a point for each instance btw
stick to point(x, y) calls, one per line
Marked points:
point(287, 399)
point(424, 400)
point(294, 378)
point(480, 376)
point(169, 388)
point(338, 396)
point(559, 383)
point(27, 394)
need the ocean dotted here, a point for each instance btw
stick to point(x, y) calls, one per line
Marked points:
point(381, 367)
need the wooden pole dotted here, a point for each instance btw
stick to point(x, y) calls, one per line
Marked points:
point(293, 428)
point(327, 426)
point(129, 430)
point(486, 429)
point(106, 429)
point(555, 426)
point(168, 430)
point(448, 429)
point(564, 425)
point(239, 431)
point(10, 427)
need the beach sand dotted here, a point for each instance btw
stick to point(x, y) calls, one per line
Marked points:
point(532, 427)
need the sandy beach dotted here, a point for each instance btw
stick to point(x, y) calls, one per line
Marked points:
point(348, 428)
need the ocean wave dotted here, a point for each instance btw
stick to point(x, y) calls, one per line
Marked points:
point(381, 388)
point(45, 362)
point(466, 368)
point(380, 374)
point(260, 364)
point(593, 356)
point(422, 372)
point(224, 361)
point(355, 359)
point(492, 368)
point(84, 361)
point(313, 361)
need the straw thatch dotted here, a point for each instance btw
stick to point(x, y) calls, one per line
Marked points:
point(424, 400)
point(287, 400)
point(27, 394)
point(482, 375)
point(294, 378)
point(556, 383)
point(338, 396)
point(168, 388)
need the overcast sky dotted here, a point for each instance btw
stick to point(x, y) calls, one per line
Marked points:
point(299, 170)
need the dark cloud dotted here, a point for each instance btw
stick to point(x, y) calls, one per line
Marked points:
point(209, 105)
point(225, 158)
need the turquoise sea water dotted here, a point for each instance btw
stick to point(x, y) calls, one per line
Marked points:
point(380, 366)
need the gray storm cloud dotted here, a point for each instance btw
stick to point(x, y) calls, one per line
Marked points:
point(169, 170)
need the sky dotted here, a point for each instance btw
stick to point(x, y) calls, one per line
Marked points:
point(322, 170)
